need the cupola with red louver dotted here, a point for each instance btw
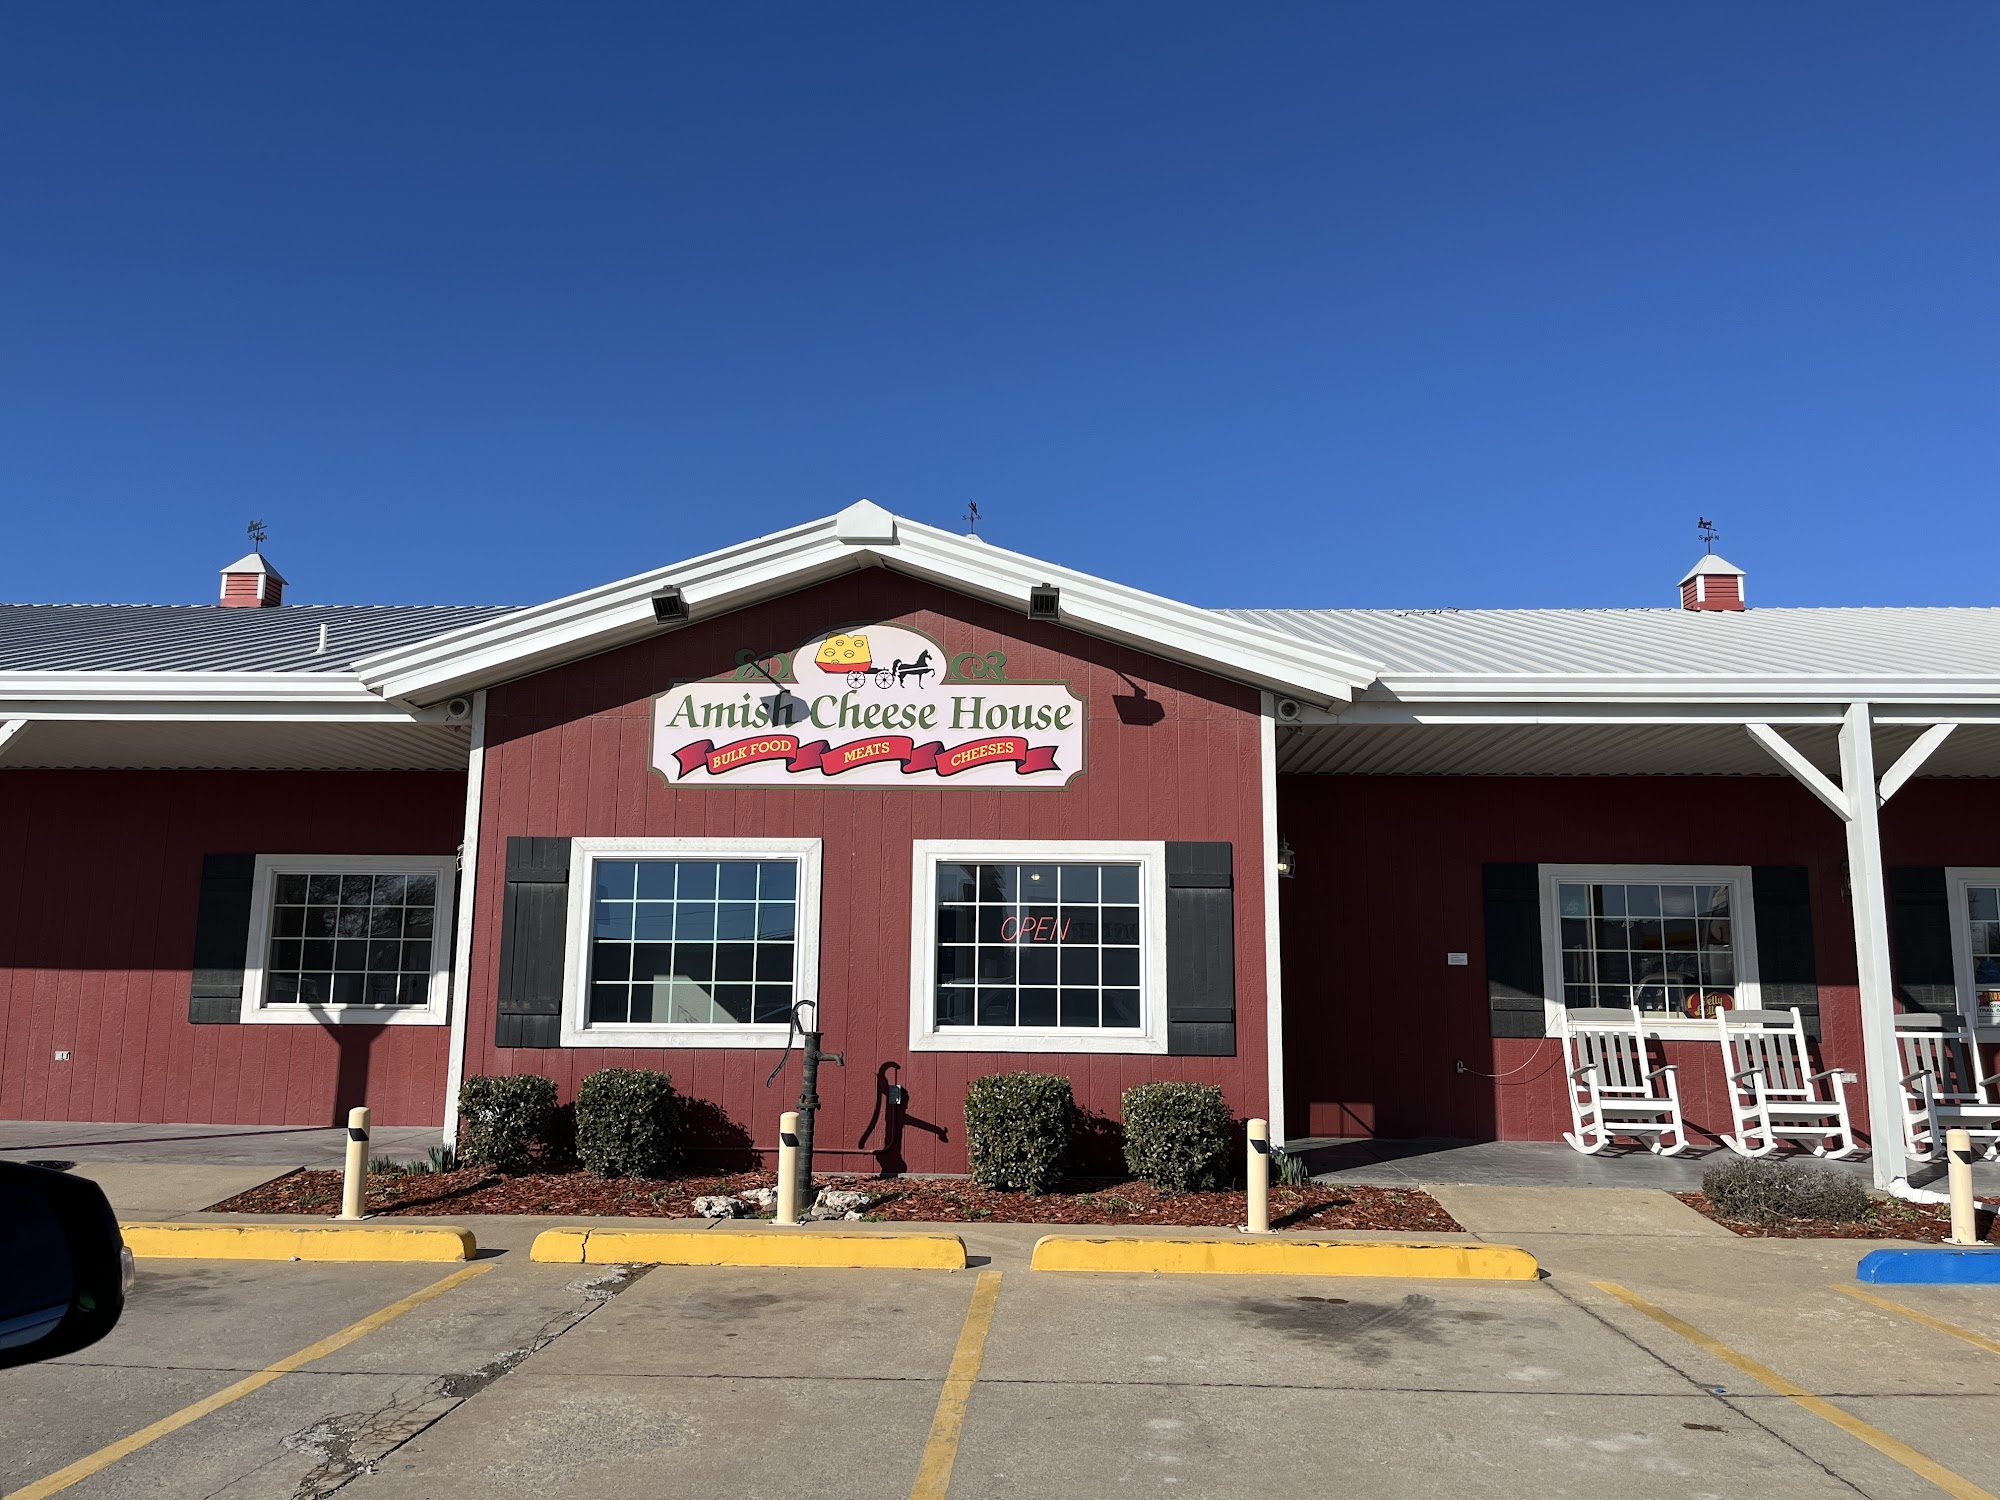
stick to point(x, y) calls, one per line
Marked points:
point(1712, 584)
point(252, 583)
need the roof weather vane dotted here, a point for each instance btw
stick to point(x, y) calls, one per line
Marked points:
point(1708, 533)
point(257, 535)
point(972, 518)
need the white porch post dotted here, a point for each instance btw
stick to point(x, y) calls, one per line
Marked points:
point(1871, 944)
point(463, 908)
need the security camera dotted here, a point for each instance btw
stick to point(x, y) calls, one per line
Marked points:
point(1290, 710)
point(458, 710)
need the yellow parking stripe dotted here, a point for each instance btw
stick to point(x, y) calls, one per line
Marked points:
point(941, 1452)
point(106, 1456)
point(1977, 1340)
point(1955, 1485)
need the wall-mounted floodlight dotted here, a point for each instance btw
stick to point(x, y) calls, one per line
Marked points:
point(1044, 602)
point(669, 608)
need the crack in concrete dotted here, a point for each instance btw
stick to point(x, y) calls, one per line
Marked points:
point(1736, 1402)
point(355, 1443)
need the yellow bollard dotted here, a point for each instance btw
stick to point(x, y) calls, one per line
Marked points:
point(1259, 1175)
point(1958, 1155)
point(788, 1167)
point(354, 1187)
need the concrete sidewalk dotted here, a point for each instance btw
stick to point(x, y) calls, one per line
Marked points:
point(278, 1147)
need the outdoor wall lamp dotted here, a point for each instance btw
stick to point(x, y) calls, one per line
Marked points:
point(669, 608)
point(1288, 862)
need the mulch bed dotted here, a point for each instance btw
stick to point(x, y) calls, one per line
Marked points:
point(1886, 1219)
point(474, 1190)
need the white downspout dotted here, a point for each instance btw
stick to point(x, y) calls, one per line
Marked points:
point(468, 903)
point(1274, 1000)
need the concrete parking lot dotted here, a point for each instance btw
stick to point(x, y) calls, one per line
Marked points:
point(1659, 1357)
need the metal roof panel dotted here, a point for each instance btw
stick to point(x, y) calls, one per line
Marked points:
point(1699, 645)
point(208, 638)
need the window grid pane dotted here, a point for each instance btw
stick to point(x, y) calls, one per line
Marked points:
point(1983, 919)
point(693, 942)
point(1666, 947)
point(1037, 944)
point(351, 940)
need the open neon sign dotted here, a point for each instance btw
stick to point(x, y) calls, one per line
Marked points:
point(1042, 929)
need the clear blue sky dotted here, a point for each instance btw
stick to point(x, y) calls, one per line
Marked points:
point(1323, 304)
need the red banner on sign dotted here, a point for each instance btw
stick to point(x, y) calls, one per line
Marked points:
point(835, 760)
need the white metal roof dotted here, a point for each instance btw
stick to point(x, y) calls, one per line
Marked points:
point(254, 562)
point(315, 638)
point(1779, 654)
point(1709, 563)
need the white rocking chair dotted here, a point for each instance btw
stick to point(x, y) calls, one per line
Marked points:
point(1945, 1086)
point(1773, 1093)
point(1613, 1087)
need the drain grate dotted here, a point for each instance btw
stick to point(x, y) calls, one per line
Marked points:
point(50, 1163)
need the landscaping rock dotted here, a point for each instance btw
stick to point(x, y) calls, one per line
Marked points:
point(762, 1199)
point(717, 1207)
point(834, 1203)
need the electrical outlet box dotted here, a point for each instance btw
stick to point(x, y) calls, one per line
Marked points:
point(1455, 960)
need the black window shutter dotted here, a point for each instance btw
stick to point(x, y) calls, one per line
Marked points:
point(1514, 982)
point(1920, 940)
point(221, 939)
point(534, 923)
point(1787, 971)
point(1201, 951)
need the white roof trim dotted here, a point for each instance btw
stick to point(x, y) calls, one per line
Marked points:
point(1587, 687)
point(327, 697)
point(864, 535)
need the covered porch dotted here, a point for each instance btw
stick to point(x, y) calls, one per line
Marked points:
point(1851, 834)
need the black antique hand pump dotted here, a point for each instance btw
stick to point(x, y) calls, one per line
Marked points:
point(811, 1056)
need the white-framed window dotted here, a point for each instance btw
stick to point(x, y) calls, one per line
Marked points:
point(355, 939)
point(1975, 943)
point(1678, 941)
point(689, 942)
point(1023, 946)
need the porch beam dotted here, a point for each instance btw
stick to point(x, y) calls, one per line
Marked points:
point(1871, 951)
point(1810, 776)
point(1912, 760)
point(9, 729)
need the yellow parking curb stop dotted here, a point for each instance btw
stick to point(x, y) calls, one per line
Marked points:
point(185, 1241)
point(748, 1247)
point(1284, 1257)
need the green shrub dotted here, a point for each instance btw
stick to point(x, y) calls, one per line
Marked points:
point(626, 1123)
point(505, 1121)
point(1178, 1135)
point(1765, 1192)
point(1017, 1128)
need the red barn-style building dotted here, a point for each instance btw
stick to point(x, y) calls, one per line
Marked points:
point(263, 862)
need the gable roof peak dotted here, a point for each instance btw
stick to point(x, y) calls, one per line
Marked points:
point(865, 524)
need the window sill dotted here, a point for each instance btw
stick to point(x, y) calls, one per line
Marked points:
point(1004, 1039)
point(345, 1015)
point(771, 1036)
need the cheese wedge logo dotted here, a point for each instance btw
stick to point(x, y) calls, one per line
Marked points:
point(843, 653)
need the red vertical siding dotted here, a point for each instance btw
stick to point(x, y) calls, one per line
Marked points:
point(1389, 882)
point(568, 756)
point(100, 876)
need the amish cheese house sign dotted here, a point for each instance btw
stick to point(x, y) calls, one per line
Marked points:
point(869, 705)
